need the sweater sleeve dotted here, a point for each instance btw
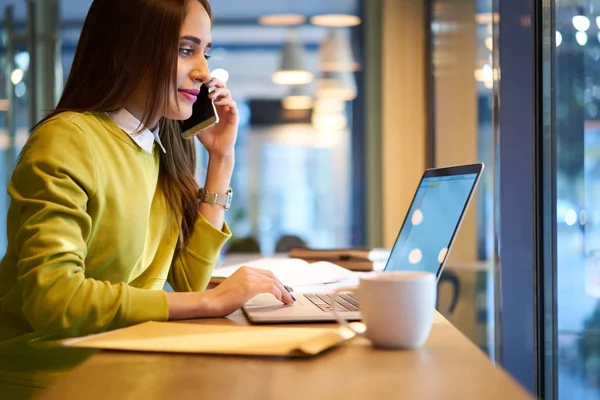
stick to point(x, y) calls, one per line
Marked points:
point(192, 268)
point(49, 190)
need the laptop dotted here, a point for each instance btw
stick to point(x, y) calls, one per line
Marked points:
point(423, 244)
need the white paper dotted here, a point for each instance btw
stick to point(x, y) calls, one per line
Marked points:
point(294, 272)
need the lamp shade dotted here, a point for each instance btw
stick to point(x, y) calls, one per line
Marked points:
point(337, 84)
point(292, 70)
point(341, 20)
point(298, 99)
point(336, 51)
point(282, 19)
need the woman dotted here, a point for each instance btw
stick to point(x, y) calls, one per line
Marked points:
point(100, 216)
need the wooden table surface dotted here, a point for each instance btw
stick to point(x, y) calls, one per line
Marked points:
point(448, 366)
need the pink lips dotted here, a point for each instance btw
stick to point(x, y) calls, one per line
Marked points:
point(190, 94)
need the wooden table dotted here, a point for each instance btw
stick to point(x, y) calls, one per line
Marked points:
point(448, 366)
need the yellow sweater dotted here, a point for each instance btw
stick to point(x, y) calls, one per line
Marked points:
point(90, 245)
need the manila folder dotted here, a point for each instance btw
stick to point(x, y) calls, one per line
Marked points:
point(173, 337)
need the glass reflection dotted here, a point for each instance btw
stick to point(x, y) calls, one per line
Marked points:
point(577, 129)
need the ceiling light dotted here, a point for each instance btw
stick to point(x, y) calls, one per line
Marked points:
point(489, 43)
point(336, 51)
point(329, 122)
point(487, 18)
point(329, 105)
point(298, 99)
point(581, 23)
point(292, 71)
point(479, 75)
point(335, 20)
point(329, 114)
point(22, 60)
point(292, 77)
point(571, 217)
point(337, 84)
point(581, 38)
point(17, 76)
point(297, 102)
point(20, 90)
point(282, 19)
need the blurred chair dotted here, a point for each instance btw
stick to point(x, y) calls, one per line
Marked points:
point(452, 278)
point(288, 242)
point(246, 244)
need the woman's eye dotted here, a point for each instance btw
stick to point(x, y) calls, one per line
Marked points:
point(207, 56)
point(186, 52)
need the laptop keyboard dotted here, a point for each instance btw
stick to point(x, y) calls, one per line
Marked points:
point(345, 301)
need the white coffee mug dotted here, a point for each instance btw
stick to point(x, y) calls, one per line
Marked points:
point(396, 307)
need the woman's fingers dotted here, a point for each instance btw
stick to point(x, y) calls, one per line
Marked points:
point(215, 83)
point(222, 98)
point(286, 296)
point(219, 94)
point(259, 277)
point(270, 287)
point(227, 102)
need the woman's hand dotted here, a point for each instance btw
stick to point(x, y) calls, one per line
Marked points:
point(241, 286)
point(219, 140)
point(228, 296)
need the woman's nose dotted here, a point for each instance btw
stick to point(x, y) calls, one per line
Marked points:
point(201, 73)
point(203, 77)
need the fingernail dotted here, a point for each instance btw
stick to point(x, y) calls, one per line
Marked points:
point(287, 288)
point(293, 297)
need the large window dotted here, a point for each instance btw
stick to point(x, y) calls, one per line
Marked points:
point(576, 126)
point(460, 111)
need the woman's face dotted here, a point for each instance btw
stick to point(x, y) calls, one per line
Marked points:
point(195, 40)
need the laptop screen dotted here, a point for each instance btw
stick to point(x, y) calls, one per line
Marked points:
point(430, 226)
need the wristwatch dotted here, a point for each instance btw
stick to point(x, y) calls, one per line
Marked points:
point(224, 200)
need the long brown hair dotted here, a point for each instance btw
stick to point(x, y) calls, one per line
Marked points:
point(123, 42)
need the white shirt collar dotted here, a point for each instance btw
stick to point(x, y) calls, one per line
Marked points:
point(130, 125)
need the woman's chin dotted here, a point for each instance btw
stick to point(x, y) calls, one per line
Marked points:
point(180, 115)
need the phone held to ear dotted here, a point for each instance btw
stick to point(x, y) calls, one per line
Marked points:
point(204, 115)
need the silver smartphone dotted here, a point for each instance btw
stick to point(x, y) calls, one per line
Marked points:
point(204, 115)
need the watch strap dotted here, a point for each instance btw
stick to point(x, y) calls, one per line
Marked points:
point(224, 200)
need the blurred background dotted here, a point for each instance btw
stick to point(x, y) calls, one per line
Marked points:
point(343, 104)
